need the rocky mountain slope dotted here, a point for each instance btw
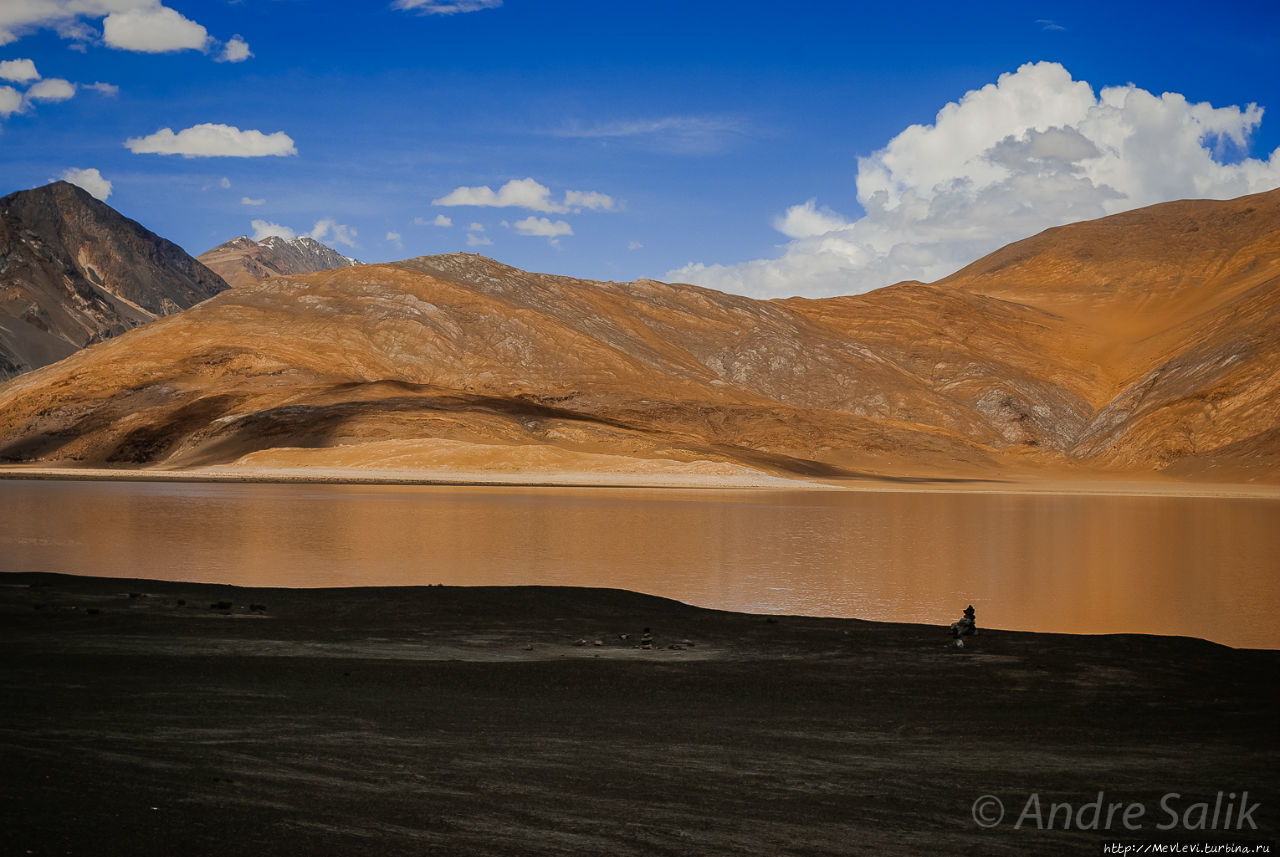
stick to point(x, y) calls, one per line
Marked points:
point(73, 272)
point(243, 261)
point(1138, 343)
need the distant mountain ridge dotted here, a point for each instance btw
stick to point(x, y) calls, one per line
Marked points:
point(1143, 343)
point(73, 271)
point(243, 261)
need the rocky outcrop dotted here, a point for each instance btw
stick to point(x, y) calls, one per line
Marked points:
point(243, 261)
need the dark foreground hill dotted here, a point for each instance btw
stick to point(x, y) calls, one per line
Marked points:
point(149, 718)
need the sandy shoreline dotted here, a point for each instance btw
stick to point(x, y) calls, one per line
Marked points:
point(155, 718)
point(1093, 485)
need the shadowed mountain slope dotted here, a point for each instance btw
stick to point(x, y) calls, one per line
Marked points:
point(73, 272)
point(458, 361)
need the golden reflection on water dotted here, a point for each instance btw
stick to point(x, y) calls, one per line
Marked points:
point(1203, 567)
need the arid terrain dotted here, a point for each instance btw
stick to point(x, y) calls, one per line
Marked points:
point(1139, 345)
point(148, 718)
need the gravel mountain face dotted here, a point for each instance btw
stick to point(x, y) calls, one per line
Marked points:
point(243, 261)
point(1141, 343)
point(73, 272)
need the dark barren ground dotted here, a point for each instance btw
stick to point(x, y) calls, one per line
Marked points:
point(460, 721)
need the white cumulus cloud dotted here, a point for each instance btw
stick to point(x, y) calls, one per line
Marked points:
point(445, 7)
point(235, 50)
point(526, 193)
point(89, 179)
point(265, 229)
point(153, 29)
point(327, 231)
point(1033, 150)
point(19, 71)
point(807, 220)
point(474, 240)
point(103, 88)
point(51, 89)
point(330, 231)
point(394, 238)
point(145, 26)
point(10, 101)
point(244, 200)
point(542, 227)
point(576, 200)
point(212, 141)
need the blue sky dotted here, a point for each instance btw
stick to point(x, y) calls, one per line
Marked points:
point(736, 144)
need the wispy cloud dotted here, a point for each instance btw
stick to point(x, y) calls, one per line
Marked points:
point(1046, 24)
point(445, 7)
point(681, 134)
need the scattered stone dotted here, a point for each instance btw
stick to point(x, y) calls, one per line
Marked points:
point(687, 643)
point(597, 642)
point(580, 643)
point(529, 647)
point(676, 647)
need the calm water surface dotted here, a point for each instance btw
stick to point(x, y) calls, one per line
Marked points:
point(1205, 567)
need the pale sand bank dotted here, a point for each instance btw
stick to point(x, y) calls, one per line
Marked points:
point(746, 479)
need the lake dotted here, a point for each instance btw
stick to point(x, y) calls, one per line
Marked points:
point(1206, 567)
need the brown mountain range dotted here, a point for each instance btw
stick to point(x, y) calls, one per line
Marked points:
point(73, 272)
point(1143, 342)
point(243, 261)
